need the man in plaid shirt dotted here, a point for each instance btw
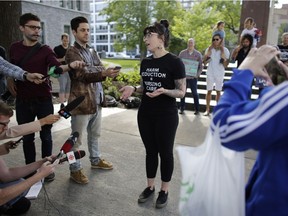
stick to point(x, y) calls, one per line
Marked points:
point(192, 60)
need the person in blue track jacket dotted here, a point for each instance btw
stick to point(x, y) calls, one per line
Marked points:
point(261, 125)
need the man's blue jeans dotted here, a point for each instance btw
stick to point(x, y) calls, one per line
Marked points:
point(11, 202)
point(89, 125)
point(26, 111)
point(192, 84)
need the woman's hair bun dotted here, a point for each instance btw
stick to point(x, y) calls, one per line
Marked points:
point(165, 23)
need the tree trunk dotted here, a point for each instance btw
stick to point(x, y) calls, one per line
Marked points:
point(9, 32)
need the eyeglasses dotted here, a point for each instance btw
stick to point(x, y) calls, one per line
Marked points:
point(5, 124)
point(34, 27)
point(149, 35)
point(215, 39)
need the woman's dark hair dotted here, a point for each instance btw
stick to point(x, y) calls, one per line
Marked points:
point(161, 28)
point(249, 38)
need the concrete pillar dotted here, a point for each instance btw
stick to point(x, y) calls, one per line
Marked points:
point(259, 11)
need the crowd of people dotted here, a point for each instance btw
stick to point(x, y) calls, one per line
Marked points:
point(164, 77)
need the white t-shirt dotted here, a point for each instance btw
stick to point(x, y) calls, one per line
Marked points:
point(251, 32)
point(215, 67)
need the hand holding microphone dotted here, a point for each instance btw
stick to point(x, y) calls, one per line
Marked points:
point(65, 111)
point(68, 145)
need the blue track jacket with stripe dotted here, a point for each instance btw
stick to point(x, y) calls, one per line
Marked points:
point(262, 125)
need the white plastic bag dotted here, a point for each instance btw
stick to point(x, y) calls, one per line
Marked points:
point(213, 181)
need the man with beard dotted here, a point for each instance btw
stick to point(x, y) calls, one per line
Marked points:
point(34, 100)
point(86, 118)
point(242, 50)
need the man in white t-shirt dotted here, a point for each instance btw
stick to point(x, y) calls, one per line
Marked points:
point(250, 29)
point(218, 58)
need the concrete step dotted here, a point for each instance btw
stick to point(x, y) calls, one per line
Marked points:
point(201, 89)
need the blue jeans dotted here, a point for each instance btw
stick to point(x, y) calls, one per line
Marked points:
point(11, 202)
point(92, 124)
point(192, 84)
point(26, 111)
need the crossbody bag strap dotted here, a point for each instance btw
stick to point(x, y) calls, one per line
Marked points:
point(31, 52)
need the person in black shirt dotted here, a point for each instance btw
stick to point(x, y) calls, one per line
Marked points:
point(162, 81)
point(284, 48)
point(242, 50)
point(64, 79)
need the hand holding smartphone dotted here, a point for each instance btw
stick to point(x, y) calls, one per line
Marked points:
point(117, 68)
point(13, 145)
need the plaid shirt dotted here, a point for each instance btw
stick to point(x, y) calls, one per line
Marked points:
point(8, 69)
point(195, 55)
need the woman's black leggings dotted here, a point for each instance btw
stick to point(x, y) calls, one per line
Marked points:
point(158, 132)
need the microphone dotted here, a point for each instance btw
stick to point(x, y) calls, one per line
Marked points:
point(55, 71)
point(68, 145)
point(65, 111)
point(78, 154)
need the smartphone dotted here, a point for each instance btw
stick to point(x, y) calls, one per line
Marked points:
point(117, 68)
point(14, 145)
point(19, 140)
point(45, 77)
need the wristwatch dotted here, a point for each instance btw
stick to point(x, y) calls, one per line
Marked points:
point(25, 76)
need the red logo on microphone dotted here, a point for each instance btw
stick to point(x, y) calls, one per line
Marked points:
point(71, 157)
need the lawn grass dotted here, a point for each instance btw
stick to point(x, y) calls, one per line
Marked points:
point(124, 63)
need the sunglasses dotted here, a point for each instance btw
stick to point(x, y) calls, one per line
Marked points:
point(215, 39)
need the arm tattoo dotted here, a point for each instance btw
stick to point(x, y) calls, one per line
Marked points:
point(180, 89)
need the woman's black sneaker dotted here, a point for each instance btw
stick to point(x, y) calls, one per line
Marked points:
point(162, 199)
point(145, 194)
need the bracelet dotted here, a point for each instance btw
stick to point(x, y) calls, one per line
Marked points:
point(69, 66)
point(135, 88)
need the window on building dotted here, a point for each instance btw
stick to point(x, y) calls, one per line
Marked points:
point(42, 38)
point(102, 28)
point(61, 3)
point(102, 38)
point(101, 48)
point(70, 4)
point(67, 29)
point(78, 5)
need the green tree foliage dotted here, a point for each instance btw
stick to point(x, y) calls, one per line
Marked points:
point(199, 21)
point(132, 17)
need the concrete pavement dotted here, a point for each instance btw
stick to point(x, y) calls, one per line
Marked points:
point(113, 192)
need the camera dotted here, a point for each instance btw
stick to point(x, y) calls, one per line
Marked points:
point(275, 71)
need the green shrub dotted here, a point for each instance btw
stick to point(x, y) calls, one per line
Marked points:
point(112, 86)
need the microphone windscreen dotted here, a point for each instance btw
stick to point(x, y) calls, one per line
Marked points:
point(68, 145)
point(73, 104)
point(79, 154)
